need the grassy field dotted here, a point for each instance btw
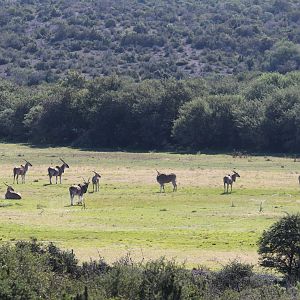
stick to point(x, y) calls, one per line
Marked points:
point(198, 224)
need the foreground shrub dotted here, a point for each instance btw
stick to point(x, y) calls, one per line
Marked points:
point(25, 274)
point(31, 270)
point(235, 276)
point(167, 280)
point(159, 279)
point(279, 247)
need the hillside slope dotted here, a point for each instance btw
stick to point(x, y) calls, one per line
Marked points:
point(41, 40)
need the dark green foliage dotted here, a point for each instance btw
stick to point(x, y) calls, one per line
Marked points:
point(110, 23)
point(279, 247)
point(235, 276)
point(282, 119)
point(254, 111)
point(190, 129)
point(207, 122)
point(249, 117)
point(144, 40)
point(62, 262)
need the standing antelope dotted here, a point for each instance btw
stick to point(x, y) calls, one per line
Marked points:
point(229, 180)
point(57, 171)
point(22, 170)
point(95, 181)
point(79, 190)
point(163, 178)
point(11, 194)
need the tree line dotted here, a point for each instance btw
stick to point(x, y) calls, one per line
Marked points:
point(258, 112)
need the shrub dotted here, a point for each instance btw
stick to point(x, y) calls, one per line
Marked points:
point(110, 23)
point(279, 247)
point(235, 276)
point(283, 57)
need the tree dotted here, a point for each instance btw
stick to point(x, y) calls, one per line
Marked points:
point(282, 122)
point(249, 118)
point(279, 247)
point(191, 127)
point(206, 122)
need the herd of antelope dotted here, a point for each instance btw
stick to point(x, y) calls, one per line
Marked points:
point(57, 172)
point(80, 189)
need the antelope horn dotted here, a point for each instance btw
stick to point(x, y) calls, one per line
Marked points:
point(157, 172)
point(95, 172)
point(62, 160)
point(25, 160)
point(6, 184)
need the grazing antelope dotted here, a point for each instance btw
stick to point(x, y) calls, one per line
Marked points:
point(163, 178)
point(95, 181)
point(229, 180)
point(79, 190)
point(11, 194)
point(57, 171)
point(22, 170)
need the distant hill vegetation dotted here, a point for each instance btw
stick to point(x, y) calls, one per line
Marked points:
point(42, 39)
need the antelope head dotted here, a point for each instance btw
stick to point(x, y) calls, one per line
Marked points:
point(236, 173)
point(65, 164)
point(9, 188)
point(97, 174)
point(86, 182)
point(28, 163)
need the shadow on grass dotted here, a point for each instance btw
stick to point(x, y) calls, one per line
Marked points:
point(76, 205)
point(171, 150)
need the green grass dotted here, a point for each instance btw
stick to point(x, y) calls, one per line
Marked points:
point(197, 224)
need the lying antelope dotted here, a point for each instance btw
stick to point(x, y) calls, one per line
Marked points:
point(78, 190)
point(11, 194)
point(96, 181)
point(229, 180)
point(22, 170)
point(57, 171)
point(163, 178)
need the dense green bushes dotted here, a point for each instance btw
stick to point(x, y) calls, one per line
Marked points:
point(207, 122)
point(26, 273)
point(30, 270)
point(250, 111)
